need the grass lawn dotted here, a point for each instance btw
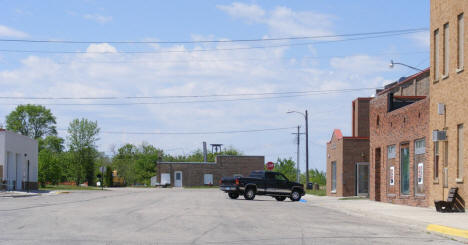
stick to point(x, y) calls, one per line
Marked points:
point(321, 192)
point(68, 187)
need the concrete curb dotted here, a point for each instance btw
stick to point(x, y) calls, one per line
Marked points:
point(450, 231)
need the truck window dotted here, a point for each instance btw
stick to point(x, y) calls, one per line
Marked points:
point(280, 177)
point(269, 176)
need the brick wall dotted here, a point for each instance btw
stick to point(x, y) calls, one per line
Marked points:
point(193, 173)
point(346, 152)
point(335, 154)
point(354, 151)
point(399, 127)
point(361, 117)
point(449, 90)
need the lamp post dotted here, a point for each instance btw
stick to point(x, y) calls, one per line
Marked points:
point(392, 64)
point(307, 142)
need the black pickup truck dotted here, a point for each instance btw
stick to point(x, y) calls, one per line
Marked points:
point(262, 183)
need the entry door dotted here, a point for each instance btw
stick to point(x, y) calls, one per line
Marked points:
point(178, 179)
point(362, 180)
point(19, 172)
point(11, 171)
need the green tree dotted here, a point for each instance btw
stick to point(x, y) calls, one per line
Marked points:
point(286, 167)
point(145, 163)
point(108, 180)
point(315, 176)
point(49, 168)
point(82, 138)
point(124, 163)
point(52, 143)
point(34, 121)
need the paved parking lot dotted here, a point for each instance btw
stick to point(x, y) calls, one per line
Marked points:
point(189, 216)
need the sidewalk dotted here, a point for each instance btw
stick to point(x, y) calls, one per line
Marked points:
point(18, 194)
point(425, 218)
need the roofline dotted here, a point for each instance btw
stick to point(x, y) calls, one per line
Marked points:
point(410, 97)
point(186, 162)
point(356, 138)
point(405, 81)
point(363, 98)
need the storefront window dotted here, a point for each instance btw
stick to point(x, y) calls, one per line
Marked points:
point(404, 171)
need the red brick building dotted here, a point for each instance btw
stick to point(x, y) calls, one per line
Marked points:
point(347, 157)
point(399, 141)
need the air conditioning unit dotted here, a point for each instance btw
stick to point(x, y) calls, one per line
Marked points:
point(439, 135)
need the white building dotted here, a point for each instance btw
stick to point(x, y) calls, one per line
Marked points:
point(18, 161)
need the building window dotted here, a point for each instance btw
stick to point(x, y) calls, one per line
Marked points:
point(436, 161)
point(436, 55)
point(404, 170)
point(333, 178)
point(419, 146)
point(378, 121)
point(446, 49)
point(208, 179)
point(391, 153)
point(392, 175)
point(460, 153)
point(460, 37)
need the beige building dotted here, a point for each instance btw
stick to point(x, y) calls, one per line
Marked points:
point(448, 98)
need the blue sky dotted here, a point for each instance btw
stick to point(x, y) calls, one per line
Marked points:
point(178, 69)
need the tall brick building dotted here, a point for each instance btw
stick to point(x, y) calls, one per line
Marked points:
point(399, 132)
point(348, 157)
point(449, 99)
point(207, 173)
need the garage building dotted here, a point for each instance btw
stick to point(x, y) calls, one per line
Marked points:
point(180, 174)
point(18, 161)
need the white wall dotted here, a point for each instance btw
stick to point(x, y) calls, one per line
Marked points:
point(21, 145)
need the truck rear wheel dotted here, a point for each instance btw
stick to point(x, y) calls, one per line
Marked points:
point(280, 198)
point(249, 194)
point(295, 196)
point(233, 195)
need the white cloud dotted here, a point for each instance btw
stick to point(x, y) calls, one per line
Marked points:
point(6, 31)
point(422, 38)
point(251, 12)
point(282, 21)
point(98, 18)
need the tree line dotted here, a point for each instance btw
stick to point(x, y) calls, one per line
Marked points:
point(76, 159)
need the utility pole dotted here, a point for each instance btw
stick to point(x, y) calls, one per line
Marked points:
point(298, 174)
point(307, 148)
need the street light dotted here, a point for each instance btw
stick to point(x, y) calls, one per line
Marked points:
point(307, 143)
point(392, 64)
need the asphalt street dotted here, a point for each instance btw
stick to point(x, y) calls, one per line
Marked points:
point(189, 216)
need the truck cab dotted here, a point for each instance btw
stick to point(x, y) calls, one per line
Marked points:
point(261, 182)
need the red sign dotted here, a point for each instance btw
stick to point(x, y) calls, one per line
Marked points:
point(270, 165)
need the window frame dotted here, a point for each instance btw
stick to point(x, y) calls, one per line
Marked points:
point(393, 154)
point(204, 179)
point(418, 150)
point(460, 153)
point(460, 41)
point(446, 49)
point(333, 176)
point(436, 54)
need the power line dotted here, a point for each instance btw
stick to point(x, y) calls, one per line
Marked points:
point(92, 61)
point(194, 133)
point(205, 50)
point(306, 92)
point(216, 41)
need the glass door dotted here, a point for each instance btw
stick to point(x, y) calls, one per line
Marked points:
point(362, 178)
point(404, 170)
